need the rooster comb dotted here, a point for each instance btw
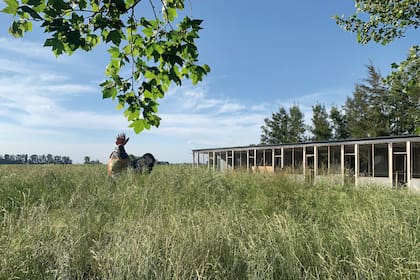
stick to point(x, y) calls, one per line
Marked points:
point(121, 140)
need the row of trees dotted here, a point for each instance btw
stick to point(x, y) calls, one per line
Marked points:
point(34, 159)
point(88, 161)
point(378, 107)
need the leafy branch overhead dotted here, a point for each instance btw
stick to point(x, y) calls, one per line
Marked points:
point(381, 21)
point(384, 21)
point(155, 51)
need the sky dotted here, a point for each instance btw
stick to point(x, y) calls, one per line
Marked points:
point(263, 55)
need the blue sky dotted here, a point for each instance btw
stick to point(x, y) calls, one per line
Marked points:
point(263, 55)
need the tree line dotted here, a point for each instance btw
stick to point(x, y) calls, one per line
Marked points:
point(34, 159)
point(379, 107)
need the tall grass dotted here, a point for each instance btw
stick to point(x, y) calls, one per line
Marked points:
point(72, 222)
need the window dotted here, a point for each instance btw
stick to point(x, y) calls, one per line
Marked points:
point(288, 158)
point(365, 161)
point(381, 160)
point(298, 158)
point(260, 157)
point(268, 157)
point(335, 159)
point(322, 160)
point(415, 155)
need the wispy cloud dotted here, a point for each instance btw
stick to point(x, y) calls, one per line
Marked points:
point(32, 50)
point(42, 112)
point(37, 115)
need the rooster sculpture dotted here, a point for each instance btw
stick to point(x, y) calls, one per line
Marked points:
point(119, 160)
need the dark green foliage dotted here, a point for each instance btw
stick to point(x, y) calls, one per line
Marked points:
point(284, 127)
point(404, 86)
point(155, 52)
point(276, 129)
point(380, 107)
point(297, 126)
point(368, 111)
point(339, 124)
point(321, 128)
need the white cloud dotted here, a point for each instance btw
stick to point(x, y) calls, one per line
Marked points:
point(25, 48)
point(36, 116)
point(231, 107)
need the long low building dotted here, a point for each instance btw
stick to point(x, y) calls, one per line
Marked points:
point(392, 161)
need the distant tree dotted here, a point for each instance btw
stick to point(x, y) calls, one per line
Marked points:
point(276, 129)
point(378, 113)
point(34, 159)
point(404, 108)
point(321, 128)
point(57, 159)
point(87, 160)
point(284, 127)
point(367, 111)
point(338, 124)
point(50, 158)
point(66, 160)
point(297, 125)
point(356, 108)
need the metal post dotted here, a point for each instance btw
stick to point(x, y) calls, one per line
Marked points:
point(356, 164)
point(315, 162)
point(390, 166)
point(273, 158)
point(282, 158)
point(329, 160)
point(247, 160)
point(233, 160)
point(409, 164)
point(342, 163)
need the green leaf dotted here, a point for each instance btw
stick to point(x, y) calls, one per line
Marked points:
point(114, 36)
point(137, 125)
point(170, 14)
point(120, 106)
point(148, 32)
point(158, 48)
point(82, 4)
point(114, 51)
point(15, 30)
point(109, 92)
point(359, 37)
point(30, 11)
point(11, 8)
point(56, 44)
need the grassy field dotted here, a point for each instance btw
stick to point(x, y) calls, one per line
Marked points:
point(72, 222)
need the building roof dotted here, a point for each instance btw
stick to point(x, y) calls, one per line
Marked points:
point(382, 139)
